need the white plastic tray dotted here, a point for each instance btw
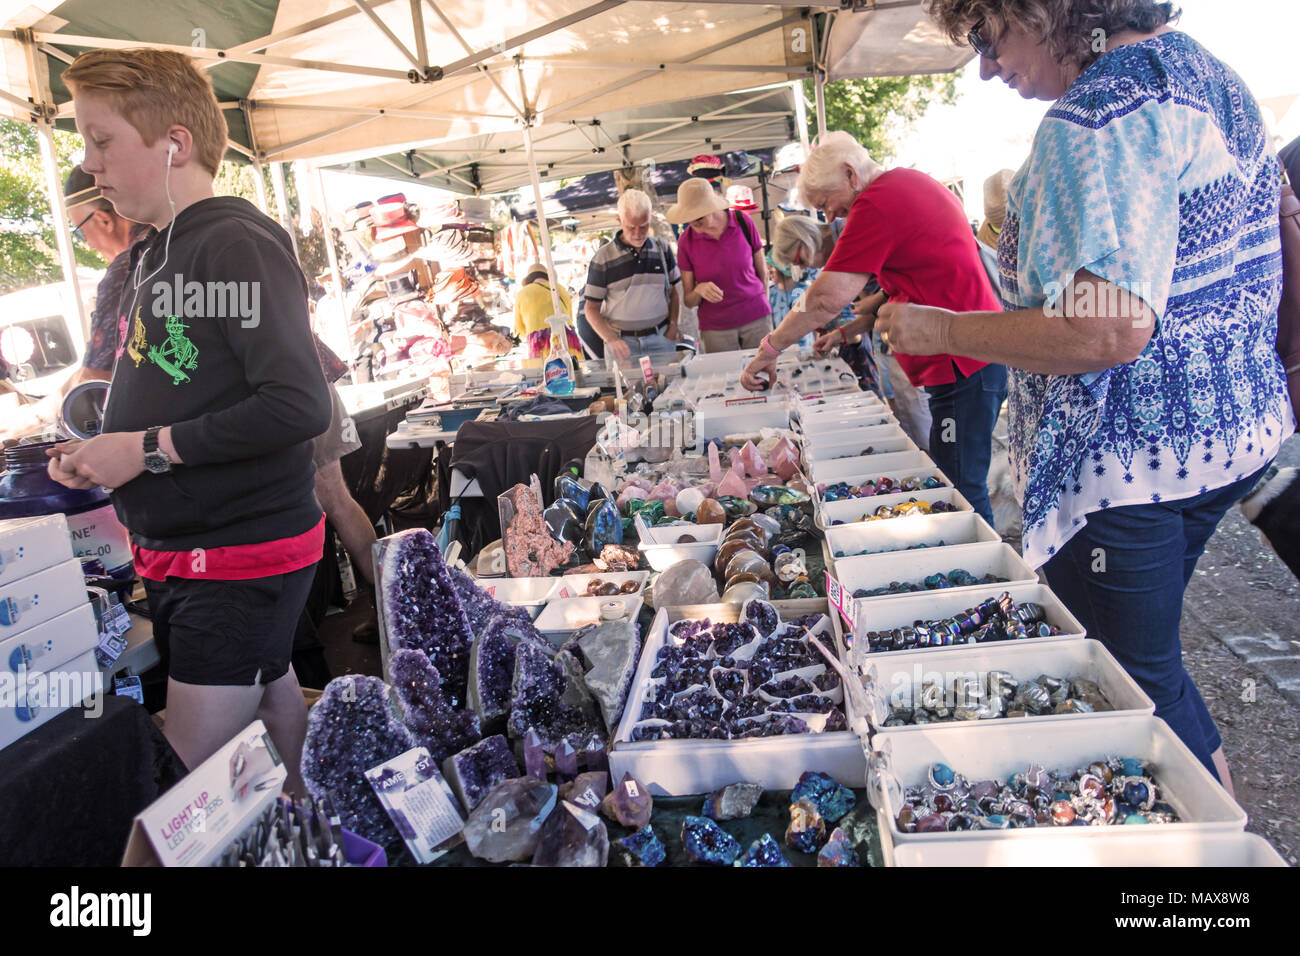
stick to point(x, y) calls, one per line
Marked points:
point(664, 552)
point(880, 570)
point(834, 427)
point(857, 470)
point(898, 534)
point(853, 510)
point(881, 439)
point(897, 476)
point(679, 767)
point(901, 611)
point(529, 593)
point(899, 677)
point(999, 749)
point(561, 618)
point(573, 586)
point(1127, 849)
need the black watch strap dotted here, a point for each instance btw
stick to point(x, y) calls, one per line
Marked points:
point(151, 439)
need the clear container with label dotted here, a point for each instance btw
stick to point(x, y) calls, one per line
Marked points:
point(27, 491)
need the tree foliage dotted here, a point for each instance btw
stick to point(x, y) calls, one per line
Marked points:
point(877, 112)
point(29, 254)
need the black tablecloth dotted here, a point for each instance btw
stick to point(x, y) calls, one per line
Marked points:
point(71, 789)
point(381, 478)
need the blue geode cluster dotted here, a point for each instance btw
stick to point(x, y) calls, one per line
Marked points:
point(352, 728)
point(732, 681)
point(832, 799)
point(764, 851)
point(423, 611)
point(643, 848)
point(706, 842)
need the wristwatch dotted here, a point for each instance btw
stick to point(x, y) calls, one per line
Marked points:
point(156, 461)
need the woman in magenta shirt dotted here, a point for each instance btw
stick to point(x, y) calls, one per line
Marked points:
point(723, 270)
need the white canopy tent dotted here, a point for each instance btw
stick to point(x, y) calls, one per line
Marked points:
point(334, 80)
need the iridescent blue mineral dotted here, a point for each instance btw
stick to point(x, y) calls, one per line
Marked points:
point(352, 728)
point(643, 848)
point(838, 851)
point(706, 842)
point(764, 851)
point(832, 799)
point(422, 609)
point(807, 830)
point(603, 526)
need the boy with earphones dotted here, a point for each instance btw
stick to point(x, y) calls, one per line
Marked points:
point(208, 426)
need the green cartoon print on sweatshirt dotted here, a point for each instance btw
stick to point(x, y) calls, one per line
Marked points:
point(177, 353)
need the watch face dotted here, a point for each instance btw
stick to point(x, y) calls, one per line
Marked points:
point(157, 463)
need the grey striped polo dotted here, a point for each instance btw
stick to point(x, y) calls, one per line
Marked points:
point(629, 283)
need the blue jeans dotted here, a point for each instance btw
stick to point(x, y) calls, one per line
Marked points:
point(963, 414)
point(1123, 576)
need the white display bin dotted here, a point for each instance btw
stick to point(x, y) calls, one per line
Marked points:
point(886, 613)
point(680, 767)
point(1000, 749)
point(911, 567)
point(662, 551)
point(900, 534)
point(1129, 849)
point(857, 470)
point(881, 439)
point(833, 427)
point(529, 593)
point(573, 586)
point(559, 619)
point(856, 510)
point(898, 678)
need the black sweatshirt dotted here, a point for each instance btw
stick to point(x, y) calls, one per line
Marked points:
point(218, 345)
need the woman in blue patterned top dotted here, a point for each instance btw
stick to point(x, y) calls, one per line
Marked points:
point(1141, 273)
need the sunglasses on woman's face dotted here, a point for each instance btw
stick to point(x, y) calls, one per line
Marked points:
point(76, 231)
point(979, 43)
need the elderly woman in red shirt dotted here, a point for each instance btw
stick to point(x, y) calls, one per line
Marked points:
point(911, 233)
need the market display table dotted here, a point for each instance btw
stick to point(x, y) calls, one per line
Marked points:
point(377, 474)
point(73, 786)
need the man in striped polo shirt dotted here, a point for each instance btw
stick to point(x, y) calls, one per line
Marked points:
point(630, 300)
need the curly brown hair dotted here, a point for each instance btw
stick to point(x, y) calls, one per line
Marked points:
point(1068, 27)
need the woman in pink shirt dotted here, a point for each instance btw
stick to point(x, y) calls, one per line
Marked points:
point(723, 270)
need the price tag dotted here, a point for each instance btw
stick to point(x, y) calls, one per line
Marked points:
point(419, 802)
point(565, 592)
point(840, 600)
point(758, 400)
point(631, 787)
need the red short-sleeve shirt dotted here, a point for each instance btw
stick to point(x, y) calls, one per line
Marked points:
point(911, 234)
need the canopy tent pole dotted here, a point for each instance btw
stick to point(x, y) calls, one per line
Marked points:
point(800, 113)
point(259, 187)
point(282, 204)
point(330, 251)
point(44, 113)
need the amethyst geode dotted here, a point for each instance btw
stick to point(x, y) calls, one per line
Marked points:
point(432, 722)
point(492, 666)
point(477, 769)
point(480, 607)
point(422, 609)
point(352, 728)
point(536, 702)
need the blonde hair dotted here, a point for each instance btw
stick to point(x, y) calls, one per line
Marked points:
point(152, 90)
point(792, 234)
point(821, 170)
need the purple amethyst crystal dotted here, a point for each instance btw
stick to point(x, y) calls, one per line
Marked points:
point(477, 769)
point(748, 707)
point(352, 728)
point(480, 607)
point(790, 687)
point(586, 789)
point(706, 842)
point(422, 609)
point(566, 761)
point(539, 684)
point(431, 721)
point(785, 724)
point(572, 836)
point(760, 672)
point(492, 670)
point(684, 630)
point(667, 661)
point(629, 804)
point(729, 684)
point(728, 637)
point(595, 757)
point(507, 824)
point(650, 732)
point(827, 681)
point(699, 705)
point(836, 721)
point(691, 673)
point(763, 616)
point(806, 704)
point(534, 755)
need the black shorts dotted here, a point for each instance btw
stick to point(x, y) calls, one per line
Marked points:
point(228, 633)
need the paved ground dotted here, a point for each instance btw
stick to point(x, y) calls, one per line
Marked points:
point(1241, 641)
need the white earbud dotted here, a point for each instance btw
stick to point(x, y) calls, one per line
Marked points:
point(171, 151)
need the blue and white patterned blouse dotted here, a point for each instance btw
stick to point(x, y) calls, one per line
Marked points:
point(1154, 171)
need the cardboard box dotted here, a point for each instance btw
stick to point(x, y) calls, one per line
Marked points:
point(28, 545)
point(36, 598)
point(34, 698)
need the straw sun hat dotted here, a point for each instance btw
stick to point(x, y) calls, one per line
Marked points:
point(695, 198)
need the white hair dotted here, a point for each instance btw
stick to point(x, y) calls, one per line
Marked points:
point(633, 202)
point(792, 234)
point(823, 168)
